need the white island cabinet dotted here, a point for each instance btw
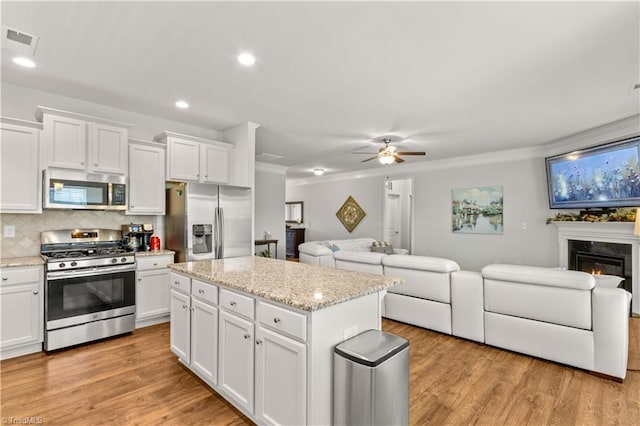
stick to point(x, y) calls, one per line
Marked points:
point(277, 324)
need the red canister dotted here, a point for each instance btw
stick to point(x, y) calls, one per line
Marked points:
point(155, 243)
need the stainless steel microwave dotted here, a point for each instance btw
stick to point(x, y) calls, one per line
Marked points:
point(67, 189)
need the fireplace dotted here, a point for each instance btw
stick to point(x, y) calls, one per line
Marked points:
point(601, 258)
point(609, 248)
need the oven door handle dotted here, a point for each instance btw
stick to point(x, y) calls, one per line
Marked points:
point(60, 275)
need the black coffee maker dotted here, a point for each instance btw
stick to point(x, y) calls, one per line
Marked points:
point(137, 237)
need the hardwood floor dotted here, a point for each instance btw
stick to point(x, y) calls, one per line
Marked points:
point(135, 379)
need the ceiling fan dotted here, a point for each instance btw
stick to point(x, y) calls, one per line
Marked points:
point(389, 153)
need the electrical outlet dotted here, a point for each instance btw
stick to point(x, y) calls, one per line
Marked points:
point(9, 231)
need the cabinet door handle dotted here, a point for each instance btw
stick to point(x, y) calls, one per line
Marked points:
point(177, 283)
point(155, 264)
point(200, 291)
point(246, 336)
point(258, 342)
point(139, 279)
point(232, 303)
point(184, 306)
point(35, 291)
point(4, 278)
point(276, 320)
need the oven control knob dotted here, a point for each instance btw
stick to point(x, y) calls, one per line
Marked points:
point(62, 265)
point(124, 259)
point(114, 260)
point(74, 263)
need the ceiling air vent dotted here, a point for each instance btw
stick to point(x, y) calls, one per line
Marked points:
point(18, 41)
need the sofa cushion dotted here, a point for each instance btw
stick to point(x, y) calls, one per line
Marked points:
point(360, 244)
point(314, 249)
point(359, 256)
point(422, 284)
point(422, 263)
point(382, 249)
point(557, 305)
point(539, 276)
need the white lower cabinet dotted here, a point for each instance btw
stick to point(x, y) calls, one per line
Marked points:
point(204, 340)
point(181, 325)
point(236, 360)
point(152, 289)
point(281, 381)
point(21, 310)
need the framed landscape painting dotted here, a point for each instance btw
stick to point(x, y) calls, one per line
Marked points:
point(477, 210)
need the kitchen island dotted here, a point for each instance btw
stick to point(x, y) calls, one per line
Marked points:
point(261, 331)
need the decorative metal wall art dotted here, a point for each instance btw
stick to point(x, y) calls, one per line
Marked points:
point(350, 214)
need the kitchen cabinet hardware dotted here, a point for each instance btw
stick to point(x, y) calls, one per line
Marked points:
point(276, 320)
point(258, 342)
point(35, 291)
point(200, 291)
point(232, 303)
point(246, 336)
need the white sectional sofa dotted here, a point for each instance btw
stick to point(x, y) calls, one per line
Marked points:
point(564, 316)
point(351, 254)
point(559, 315)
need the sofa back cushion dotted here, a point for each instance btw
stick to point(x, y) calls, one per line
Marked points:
point(541, 294)
point(428, 285)
point(355, 244)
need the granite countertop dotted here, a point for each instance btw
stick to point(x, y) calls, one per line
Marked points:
point(294, 284)
point(21, 261)
point(154, 253)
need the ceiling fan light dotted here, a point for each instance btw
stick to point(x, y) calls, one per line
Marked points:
point(386, 159)
point(318, 172)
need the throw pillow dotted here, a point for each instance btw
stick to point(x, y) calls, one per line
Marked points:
point(379, 244)
point(334, 248)
point(387, 249)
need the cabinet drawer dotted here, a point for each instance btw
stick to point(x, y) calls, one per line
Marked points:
point(153, 262)
point(204, 291)
point(12, 276)
point(234, 302)
point(283, 320)
point(180, 282)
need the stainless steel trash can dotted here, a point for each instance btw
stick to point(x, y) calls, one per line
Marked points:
point(371, 380)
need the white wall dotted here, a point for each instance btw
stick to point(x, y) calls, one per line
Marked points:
point(21, 102)
point(520, 172)
point(323, 199)
point(269, 205)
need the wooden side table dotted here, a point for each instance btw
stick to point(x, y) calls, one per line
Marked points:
point(268, 244)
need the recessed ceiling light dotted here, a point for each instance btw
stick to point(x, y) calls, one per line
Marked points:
point(318, 172)
point(182, 104)
point(246, 59)
point(24, 62)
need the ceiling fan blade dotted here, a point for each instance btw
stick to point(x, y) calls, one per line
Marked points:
point(411, 153)
point(369, 159)
point(364, 152)
point(398, 159)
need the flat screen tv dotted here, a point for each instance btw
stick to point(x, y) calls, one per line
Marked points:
point(600, 177)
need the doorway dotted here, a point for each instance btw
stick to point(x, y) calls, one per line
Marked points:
point(397, 216)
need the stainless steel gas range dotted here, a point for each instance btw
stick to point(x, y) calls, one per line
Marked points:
point(90, 286)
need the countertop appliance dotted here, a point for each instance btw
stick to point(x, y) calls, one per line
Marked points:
point(89, 286)
point(207, 221)
point(68, 189)
point(137, 237)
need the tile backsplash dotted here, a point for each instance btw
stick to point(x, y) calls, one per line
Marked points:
point(28, 227)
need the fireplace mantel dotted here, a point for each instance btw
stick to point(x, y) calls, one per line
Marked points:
point(608, 232)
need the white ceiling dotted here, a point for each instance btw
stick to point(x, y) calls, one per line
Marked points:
point(453, 77)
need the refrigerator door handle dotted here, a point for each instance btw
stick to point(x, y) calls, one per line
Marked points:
point(216, 233)
point(221, 239)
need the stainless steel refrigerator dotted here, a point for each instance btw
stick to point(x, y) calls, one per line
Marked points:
point(207, 221)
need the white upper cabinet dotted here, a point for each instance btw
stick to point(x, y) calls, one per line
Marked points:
point(215, 163)
point(108, 148)
point(20, 170)
point(146, 178)
point(190, 158)
point(80, 142)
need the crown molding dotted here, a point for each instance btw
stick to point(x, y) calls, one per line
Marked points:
point(626, 127)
